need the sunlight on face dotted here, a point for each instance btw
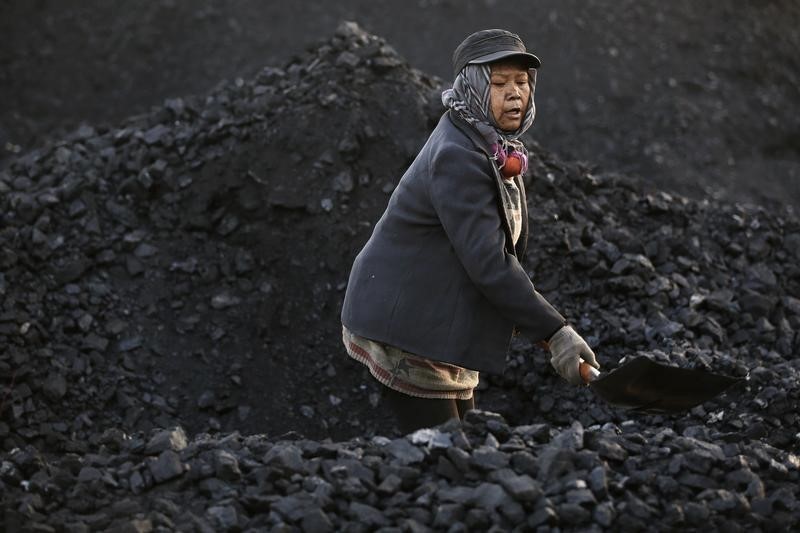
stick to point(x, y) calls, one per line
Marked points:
point(509, 94)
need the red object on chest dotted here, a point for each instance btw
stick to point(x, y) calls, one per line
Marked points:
point(512, 167)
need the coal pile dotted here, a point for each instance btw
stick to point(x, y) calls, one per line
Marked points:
point(156, 272)
point(185, 270)
point(476, 476)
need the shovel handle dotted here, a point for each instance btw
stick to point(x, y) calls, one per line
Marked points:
point(588, 372)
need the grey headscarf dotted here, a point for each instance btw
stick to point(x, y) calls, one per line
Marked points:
point(470, 98)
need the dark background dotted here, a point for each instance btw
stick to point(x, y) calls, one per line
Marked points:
point(698, 97)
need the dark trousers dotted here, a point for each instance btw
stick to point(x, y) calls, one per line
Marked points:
point(414, 413)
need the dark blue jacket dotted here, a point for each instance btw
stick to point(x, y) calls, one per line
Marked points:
point(440, 277)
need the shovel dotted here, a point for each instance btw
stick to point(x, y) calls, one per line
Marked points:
point(647, 386)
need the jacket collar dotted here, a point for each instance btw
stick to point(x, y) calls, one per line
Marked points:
point(480, 143)
point(473, 134)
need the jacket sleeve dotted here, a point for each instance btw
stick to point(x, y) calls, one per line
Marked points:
point(464, 195)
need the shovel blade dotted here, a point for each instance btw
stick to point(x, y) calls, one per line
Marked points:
point(645, 385)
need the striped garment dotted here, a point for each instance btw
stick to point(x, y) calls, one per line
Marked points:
point(513, 206)
point(408, 373)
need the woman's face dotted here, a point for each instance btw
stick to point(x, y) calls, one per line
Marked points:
point(509, 94)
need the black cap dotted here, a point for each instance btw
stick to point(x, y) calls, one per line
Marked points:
point(486, 46)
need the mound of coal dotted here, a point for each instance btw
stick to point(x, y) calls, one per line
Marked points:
point(695, 97)
point(188, 265)
point(187, 269)
point(482, 475)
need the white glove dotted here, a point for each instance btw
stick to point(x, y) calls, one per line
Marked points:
point(567, 348)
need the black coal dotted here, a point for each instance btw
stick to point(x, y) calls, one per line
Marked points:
point(182, 274)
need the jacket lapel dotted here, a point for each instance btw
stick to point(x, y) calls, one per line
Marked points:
point(478, 140)
point(522, 243)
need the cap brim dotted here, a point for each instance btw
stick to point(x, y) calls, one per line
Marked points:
point(533, 61)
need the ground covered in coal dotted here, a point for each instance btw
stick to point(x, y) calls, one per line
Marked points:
point(170, 349)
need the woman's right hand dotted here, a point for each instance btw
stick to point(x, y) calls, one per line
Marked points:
point(567, 349)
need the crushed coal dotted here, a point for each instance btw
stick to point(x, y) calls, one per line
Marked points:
point(170, 349)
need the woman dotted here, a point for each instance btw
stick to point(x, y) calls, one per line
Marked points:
point(434, 296)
